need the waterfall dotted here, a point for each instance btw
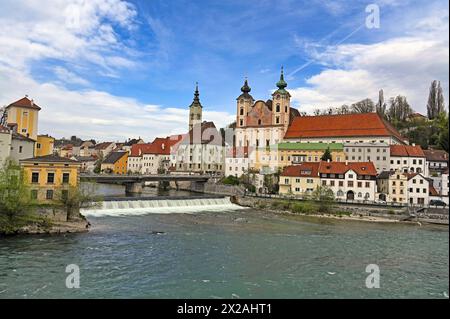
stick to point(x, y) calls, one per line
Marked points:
point(160, 206)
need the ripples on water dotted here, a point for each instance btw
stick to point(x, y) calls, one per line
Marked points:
point(247, 254)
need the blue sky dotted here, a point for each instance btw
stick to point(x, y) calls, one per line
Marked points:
point(111, 69)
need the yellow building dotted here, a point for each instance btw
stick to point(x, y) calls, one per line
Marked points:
point(393, 186)
point(44, 145)
point(300, 179)
point(115, 163)
point(285, 154)
point(24, 113)
point(50, 177)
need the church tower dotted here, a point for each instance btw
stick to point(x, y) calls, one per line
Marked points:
point(281, 106)
point(244, 103)
point(195, 110)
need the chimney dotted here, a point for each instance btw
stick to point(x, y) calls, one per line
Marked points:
point(346, 163)
point(328, 160)
point(32, 102)
point(413, 144)
point(163, 146)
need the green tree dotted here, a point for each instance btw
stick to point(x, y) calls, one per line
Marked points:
point(327, 155)
point(325, 197)
point(15, 198)
point(75, 198)
point(443, 139)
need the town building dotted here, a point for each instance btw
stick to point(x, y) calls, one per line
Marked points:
point(50, 177)
point(418, 189)
point(344, 128)
point(237, 161)
point(376, 152)
point(352, 181)
point(300, 180)
point(14, 146)
point(44, 145)
point(393, 187)
point(152, 158)
point(201, 151)
point(408, 159)
point(441, 185)
point(437, 161)
point(263, 123)
point(24, 114)
point(88, 163)
point(115, 163)
point(102, 150)
point(130, 142)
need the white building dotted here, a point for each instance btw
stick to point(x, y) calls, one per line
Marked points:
point(237, 161)
point(355, 181)
point(408, 159)
point(14, 146)
point(418, 190)
point(202, 150)
point(152, 158)
point(378, 153)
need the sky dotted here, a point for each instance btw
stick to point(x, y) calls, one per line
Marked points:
point(116, 69)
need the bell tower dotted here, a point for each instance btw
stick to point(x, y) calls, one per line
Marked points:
point(195, 109)
point(281, 106)
point(244, 103)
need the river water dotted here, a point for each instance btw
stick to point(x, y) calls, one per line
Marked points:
point(229, 253)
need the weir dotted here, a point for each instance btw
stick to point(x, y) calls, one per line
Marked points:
point(138, 206)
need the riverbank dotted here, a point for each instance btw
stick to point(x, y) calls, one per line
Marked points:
point(43, 221)
point(339, 212)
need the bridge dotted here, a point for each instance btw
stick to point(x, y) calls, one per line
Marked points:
point(135, 183)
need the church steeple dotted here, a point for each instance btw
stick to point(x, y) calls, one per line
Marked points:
point(282, 83)
point(246, 88)
point(195, 109)
point(196, 101)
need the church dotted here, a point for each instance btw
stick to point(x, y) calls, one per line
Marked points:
point(263, 123)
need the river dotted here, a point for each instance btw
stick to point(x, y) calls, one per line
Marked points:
point(228, 253)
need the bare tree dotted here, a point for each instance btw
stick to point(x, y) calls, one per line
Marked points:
point(399, 109)
point(364, 106)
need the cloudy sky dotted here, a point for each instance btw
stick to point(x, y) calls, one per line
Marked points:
point(113, 69)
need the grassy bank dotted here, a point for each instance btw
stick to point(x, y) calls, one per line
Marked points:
point(303, 207)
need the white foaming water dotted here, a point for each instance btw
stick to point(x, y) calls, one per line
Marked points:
point(142, 207)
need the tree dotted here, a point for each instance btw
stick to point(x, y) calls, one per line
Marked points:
point(327, 155)
point(364, 106)
point(15, 197)
point(381, 105)
point(435, 105)
point(75, 198)
point(443, 139)
point(343, 109)
point(399, 110)
point(325, 197)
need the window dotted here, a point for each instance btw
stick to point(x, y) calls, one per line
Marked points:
point(242, 112)
point(64, 194)
point(340, 193)
point(360, 195)
point(50, 178)
point(350, 183)
point(277, 120)
point(278, 107)
point(332, 183)
point(34, 194)
point(66, 178)
point(35, 177)
point(367, 184)
point(359, 184)
point(20, 149)
point(324, 183)
point(49, 194)
point(341, 184)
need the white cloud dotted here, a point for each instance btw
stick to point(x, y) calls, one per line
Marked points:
point(403, 65)
point(69, 77)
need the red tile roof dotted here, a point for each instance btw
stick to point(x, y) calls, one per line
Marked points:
point(160, 146)
point(346, 125)
point(360, 168)
point(25, 102)
point(436, 155)
point(407, 151)
point(302, 170)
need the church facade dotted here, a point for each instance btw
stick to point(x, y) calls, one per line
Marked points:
point(263, 123)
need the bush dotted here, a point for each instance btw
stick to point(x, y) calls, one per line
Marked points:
point(303, 208)
point(281, 204)
point(230, 180)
